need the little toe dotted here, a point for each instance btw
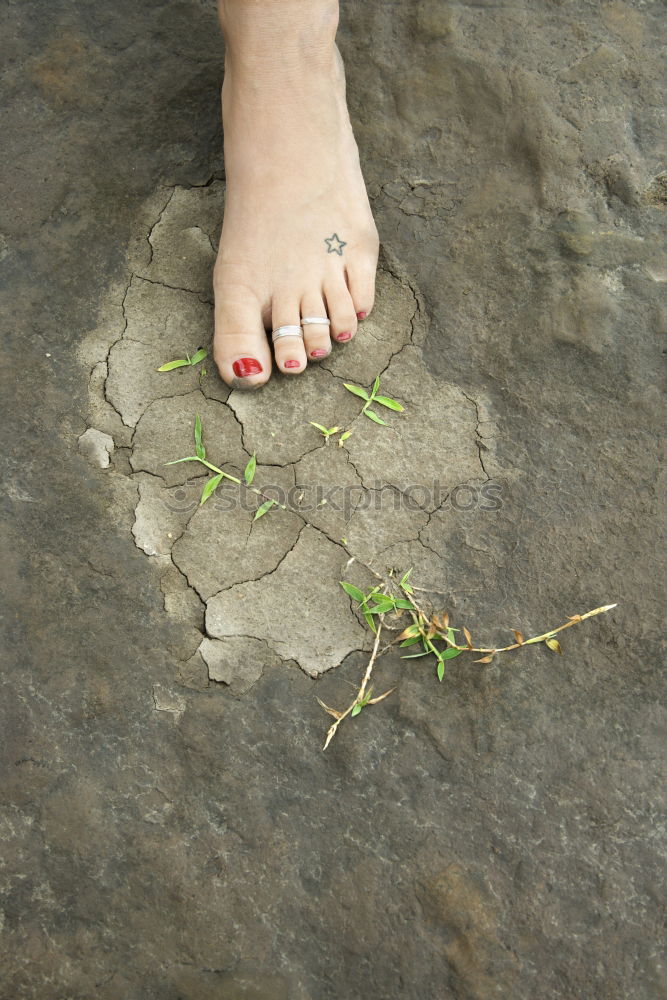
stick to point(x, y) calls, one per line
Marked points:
point(317, 341)
point(289, 350)
point(361, 282)
point(341, 310)
point(240, 347)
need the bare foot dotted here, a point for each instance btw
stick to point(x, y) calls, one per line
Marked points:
point(298, 238)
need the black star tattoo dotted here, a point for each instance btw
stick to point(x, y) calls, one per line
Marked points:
point(334, 245)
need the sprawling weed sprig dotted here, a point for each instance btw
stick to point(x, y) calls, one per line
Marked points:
point(212, 484)
point(432, 631)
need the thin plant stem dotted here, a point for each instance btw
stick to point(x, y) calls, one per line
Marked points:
point(573, 620)
point(429, 631)
point(371, 662)
point(239, 482)
point(360, 696)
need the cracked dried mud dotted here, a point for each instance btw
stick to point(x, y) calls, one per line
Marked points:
point(366, 493)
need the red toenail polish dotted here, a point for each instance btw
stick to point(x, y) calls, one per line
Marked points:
point(344, 336)
point(246, 366)
point(362, 315)
point(292, 364)
point(318, 354)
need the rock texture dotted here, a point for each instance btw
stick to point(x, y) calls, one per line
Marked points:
point(169, 826)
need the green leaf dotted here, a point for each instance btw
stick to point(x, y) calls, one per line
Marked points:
point(415, 656)
point(249, 473)
point(200, 450)
point(261, 511)
point(406, 577)
point(374, 416)
point(369, 621)
point(382, 606)
point(411, 641)
point(319, 426)
point(190, 458)
point(376, 386)
point(441, 670)
point(449, 654)
point(400, 602)
point(209, 487)
point(199, 356)
point(355, 710)
point(170, 365)
point(388, 402)
point(353, 592)
point(357, 390)
point(344, 436)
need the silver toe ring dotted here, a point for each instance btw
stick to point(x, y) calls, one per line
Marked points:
point(286, 331)
point(320, 320)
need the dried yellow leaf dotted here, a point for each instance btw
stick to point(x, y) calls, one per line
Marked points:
point(330, 736)
point(374, 701)
point(331, 711)
point(554, 645)
point(468, 637)
point(518, 636)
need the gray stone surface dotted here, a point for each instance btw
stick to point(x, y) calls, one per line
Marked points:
point(169, 827)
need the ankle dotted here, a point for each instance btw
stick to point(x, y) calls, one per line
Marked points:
point(288, 33)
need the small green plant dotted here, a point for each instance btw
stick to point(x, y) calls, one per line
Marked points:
point(186, 362)
point(381, 602)
point(383, 607)
point(387, 401)
point(328, 432)
point(212, 484)
point(266, 506)
point(325, 431)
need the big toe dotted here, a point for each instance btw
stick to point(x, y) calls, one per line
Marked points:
point(240, 346)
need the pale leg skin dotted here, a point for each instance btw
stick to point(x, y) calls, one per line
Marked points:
point(298, 237)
